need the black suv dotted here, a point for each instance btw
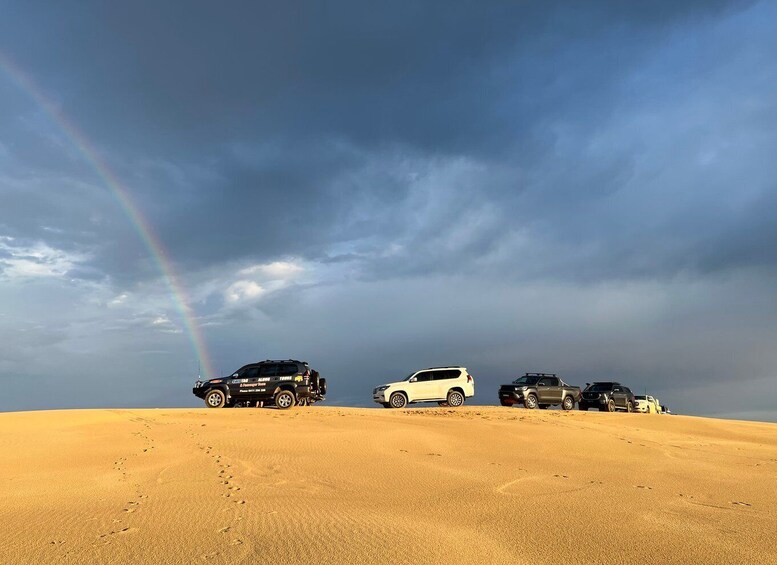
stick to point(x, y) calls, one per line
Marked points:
point(283, 383)
point(607, 397)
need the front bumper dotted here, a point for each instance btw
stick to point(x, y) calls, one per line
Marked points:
point(593, 401)
point(511, 396)
point(380, 397)
point(198, 391)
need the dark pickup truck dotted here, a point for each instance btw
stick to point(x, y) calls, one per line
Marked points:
point(539, 390)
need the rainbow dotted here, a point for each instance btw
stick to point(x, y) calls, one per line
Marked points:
point(142, 226)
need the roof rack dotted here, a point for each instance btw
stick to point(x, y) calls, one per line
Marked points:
point(540, 375)
point(445, 367)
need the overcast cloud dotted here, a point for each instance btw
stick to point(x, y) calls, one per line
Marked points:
point(540, 186)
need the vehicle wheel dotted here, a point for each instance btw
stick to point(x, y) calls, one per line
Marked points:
point(455, 398)
point(530, 402)
point(284, 399)
point(303, 402)
point(398, 400)
point(568, 403)
point(610, 406)
point(322, 386)
point(215, 398)
point(442, 403)
point(629, 407)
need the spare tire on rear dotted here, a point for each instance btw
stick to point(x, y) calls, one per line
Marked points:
point(322, 386)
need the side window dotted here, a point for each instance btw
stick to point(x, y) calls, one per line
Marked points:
point(443, 375)
point(545, 381)
point(269, 370)
point(617, 389)
point(251, 372)
point(553, 381)
point(453, 374)
point(287, 369)
point(424, 377)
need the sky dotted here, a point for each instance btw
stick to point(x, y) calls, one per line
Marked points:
point(588, 189)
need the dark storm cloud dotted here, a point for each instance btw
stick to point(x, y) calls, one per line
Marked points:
point(187, 84)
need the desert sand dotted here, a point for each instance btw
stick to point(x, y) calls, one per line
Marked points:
point(347, 485)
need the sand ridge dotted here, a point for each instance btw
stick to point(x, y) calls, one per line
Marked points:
point(347, 485)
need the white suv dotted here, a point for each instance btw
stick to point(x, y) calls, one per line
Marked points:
point(448, 386)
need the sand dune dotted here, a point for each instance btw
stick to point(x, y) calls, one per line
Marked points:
point(341, 485)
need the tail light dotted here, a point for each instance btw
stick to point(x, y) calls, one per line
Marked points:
point(470, 379)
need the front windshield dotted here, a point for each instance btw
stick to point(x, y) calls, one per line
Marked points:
point(638, 397)
point(526, 380)
point(407, 378)
point(600, 387)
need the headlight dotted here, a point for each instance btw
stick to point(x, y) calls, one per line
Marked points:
point(381, 388)
point(197, 384)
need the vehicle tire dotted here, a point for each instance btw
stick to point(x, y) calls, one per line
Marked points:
point(442, 403)
point(455, 398)
point(610, 406)
point(215, 398)
point(322, 386)
point(568, 403)
point(629, 406)
point(284, 399)
point(398, 400)
point(530, 402)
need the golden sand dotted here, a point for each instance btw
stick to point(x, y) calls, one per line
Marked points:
point(346, 485)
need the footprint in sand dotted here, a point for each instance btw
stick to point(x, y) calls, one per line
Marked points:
point(645, 487)
point(741, 504)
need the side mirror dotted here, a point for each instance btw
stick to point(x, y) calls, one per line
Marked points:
point(234, 375)
point(414, 379)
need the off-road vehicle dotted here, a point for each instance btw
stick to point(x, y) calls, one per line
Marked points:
point(607, 397)
point(282, 383)
point(647, 404)
point(539, 390)
point(448, 386)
